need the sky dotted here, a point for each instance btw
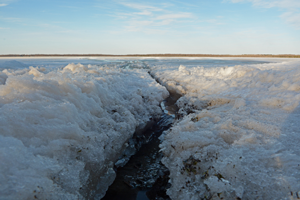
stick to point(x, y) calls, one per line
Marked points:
point(143, 27)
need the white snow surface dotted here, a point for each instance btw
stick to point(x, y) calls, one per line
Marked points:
point(58, 127)
point(240, 131)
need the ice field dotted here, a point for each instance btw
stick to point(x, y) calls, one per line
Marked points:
point(64, 125)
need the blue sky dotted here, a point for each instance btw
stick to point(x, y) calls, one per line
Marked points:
point(127, 27)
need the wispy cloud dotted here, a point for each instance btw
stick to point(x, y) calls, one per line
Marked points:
point(149, 18)
point(291, 7)
point(11, 19)
point(216, 21)
point(5, 2)
point(290, 4)
point(141, 7)
point(292, 18)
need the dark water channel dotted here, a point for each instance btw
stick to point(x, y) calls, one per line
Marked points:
point(144, 177)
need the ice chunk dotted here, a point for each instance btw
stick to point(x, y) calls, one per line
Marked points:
point(238, 135)
point(3, 78)
point(62, 130)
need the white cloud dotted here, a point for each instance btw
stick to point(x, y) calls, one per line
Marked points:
point(272, 3)
point(141, 7)
point(11, 19)
point(145, 12)
point(174, 16)
point(292, 18)
point(292, 8)
point(148, 18)
point(6, 2)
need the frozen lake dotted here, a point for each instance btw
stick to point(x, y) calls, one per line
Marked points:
point(63, 125)
point(143, 62)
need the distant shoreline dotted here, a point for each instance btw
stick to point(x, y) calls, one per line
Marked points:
point(154, 55)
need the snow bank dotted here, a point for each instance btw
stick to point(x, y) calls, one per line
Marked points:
point(61, 130)
point(239, 133)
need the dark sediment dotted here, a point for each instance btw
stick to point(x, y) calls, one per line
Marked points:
point(144, 177)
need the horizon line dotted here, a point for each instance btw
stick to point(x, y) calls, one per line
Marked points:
point(153, 55)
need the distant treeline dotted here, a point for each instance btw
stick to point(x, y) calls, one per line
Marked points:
point(154, 55)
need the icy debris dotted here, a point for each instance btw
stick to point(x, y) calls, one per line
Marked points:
point(75, 68)
point(147, 170)
point(130, 149)
point(105, 181)
point(3, 78)
point(147, 177)
point(238, 134)
point(61, 130)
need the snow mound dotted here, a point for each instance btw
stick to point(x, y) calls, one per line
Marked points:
point(238, 136)
point(62, 131)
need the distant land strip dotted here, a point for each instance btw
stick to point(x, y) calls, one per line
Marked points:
point(155, 55)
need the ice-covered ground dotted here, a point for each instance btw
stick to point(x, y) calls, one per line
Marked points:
point(62, 128)
point(239, 132)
